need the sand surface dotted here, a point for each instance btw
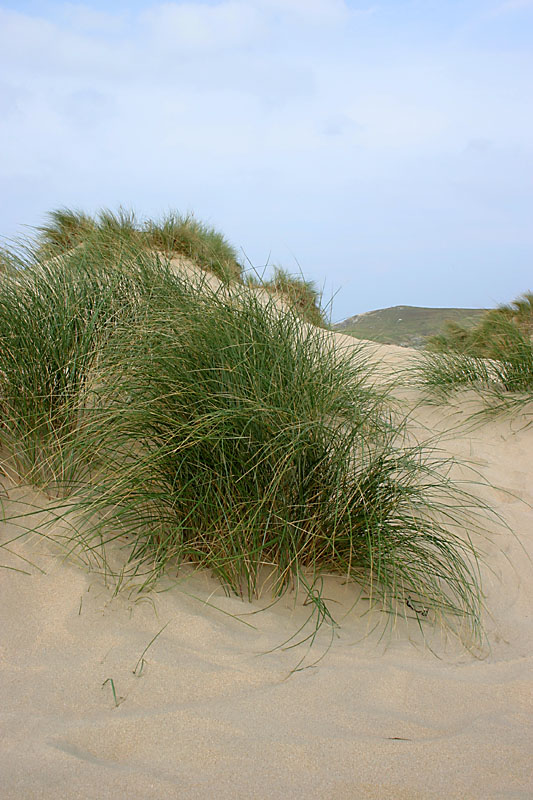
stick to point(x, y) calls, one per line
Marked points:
point(213, 713)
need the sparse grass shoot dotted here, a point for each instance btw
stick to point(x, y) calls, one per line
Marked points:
point(116, 699)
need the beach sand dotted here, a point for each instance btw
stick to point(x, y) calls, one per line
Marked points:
point(217, 711)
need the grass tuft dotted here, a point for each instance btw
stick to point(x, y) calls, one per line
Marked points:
point(503, 378)
point(186, 236)
point(55, 318)
point(301, 295)
point(66, 229)
point(113, 233)
point(233, 437)
point(214, 428)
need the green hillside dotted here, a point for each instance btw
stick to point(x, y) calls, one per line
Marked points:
point(407, 326)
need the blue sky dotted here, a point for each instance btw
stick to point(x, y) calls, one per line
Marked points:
point(385, 147)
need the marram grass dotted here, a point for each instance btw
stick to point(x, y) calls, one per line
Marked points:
point(230, 436)
point(113, 233)
point(213, 428)
point(56, 316)
point(503, 379)
point(299, 294)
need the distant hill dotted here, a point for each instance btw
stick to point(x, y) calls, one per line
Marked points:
point(407, 326)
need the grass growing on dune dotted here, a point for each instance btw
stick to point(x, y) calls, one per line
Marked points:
point(66, 228)
point(182, 235)
point(494, 327)
point(111, 233)
point(55, 318)
point(230, 437)
point(214, 428)
point(504, 378)
point(495, 358)
point(301, 295)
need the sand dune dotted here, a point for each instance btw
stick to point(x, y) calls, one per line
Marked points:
point(213, 713)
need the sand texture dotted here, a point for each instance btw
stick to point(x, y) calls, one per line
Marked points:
point(215, 711)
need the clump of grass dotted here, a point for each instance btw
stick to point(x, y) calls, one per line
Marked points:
point(122, 223)
point(185, 235)
point(301, 295)
point(519, 312)
point(230, 436)
point(455, 338)
point(215, 428)
point(492, 335)
point(66, 229)
point(504, 377)
point(55, 317)
point(111, 233)
point(512, 357)
point(117, 234)
point(444, 373)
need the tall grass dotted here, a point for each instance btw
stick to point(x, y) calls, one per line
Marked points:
point(504, 377)
point(492, 336)
point(231, 437)
point(110, 233)
point(6, 260)
point(66, 228)
point(456, 338)
point(55, 318)
point(301, 295)
point(182, 235)
point(214, 428)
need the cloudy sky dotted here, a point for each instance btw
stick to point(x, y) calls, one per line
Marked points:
point(385, 147)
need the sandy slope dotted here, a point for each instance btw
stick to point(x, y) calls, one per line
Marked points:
point(214, 715)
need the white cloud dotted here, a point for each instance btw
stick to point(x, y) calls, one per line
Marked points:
point(84, 18)
point(189, 27)
point(512, 5)
point(40, 48)
point(308, 10)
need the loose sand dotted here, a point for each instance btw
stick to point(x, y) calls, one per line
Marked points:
point(214, 714)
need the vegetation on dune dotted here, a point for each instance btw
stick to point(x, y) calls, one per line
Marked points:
point(117, 236)
point(493, 330)
point(55, 318)
point(113, 232)
point(228, 436)
point(213, 428)
point(185, 235)
point(455, 338)
point(495, 357)
point(66, 229)
point(299, 294)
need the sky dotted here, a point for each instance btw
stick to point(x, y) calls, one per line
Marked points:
point(384, 149)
